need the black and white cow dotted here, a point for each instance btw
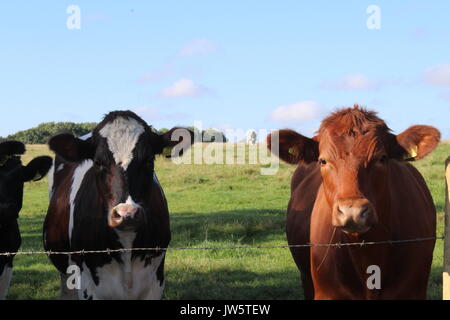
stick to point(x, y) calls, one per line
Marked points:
point(105, 195)
point(12, 177)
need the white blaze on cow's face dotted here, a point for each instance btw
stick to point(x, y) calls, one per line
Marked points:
point(122, 135)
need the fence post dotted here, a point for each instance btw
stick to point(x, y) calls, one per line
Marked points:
point(446, 274)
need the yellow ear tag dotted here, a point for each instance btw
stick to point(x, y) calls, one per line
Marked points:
point(293, 151)
point(37, 176)
point(413, 152)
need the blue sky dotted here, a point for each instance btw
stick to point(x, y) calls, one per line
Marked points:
point(230, 64)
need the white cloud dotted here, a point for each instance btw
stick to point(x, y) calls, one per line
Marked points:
point(299, 111)
point(353, 81)
point(184, 88)
point(438, 75)
point(195, 47)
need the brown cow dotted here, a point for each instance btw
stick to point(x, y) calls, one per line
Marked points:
point(353, 184)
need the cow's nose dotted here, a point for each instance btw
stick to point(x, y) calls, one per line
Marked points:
point(121, 213)
point(354, 216)
point(126, 211)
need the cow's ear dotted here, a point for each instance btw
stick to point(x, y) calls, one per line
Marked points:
point(181, 138)
point(9, 148)
point(416, 142)
point(293, 147)
point(37, 168)
point(70, 148)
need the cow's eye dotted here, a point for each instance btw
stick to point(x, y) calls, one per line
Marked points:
point(383, 159)
point(99, 165)
point(322, 162)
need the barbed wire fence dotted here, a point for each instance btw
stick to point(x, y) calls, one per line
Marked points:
point(306, 245)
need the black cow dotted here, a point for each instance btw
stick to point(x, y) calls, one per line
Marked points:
point(105, 195)
point(12, 177)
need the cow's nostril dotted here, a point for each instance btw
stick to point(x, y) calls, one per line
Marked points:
point(116, 215)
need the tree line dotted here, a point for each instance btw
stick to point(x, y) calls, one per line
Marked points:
point(43, 132)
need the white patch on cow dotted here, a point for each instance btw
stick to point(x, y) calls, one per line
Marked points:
point(122, 135)
point(126, 240)
point(131, 202)
point(129, 280)
point(5, 280)
point(51, 173)
point(51, 177)
point(78, 177)
point(114, 281)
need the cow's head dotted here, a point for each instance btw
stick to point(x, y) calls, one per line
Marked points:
point(353, 148)
point(13, 175)
point(122, 148)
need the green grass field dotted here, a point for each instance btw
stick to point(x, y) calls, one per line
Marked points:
point(213, 205)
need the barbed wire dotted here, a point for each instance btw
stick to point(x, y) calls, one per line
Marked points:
point(307, 245)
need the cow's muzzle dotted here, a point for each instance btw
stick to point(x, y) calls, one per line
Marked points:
point(354, 215)
point(124, 216)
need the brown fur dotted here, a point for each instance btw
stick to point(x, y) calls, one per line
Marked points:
point(56, 224)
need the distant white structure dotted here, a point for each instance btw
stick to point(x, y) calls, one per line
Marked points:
point(251, 137)
point(86, 136)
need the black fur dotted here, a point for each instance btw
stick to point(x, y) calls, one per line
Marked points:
point(13, 175)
